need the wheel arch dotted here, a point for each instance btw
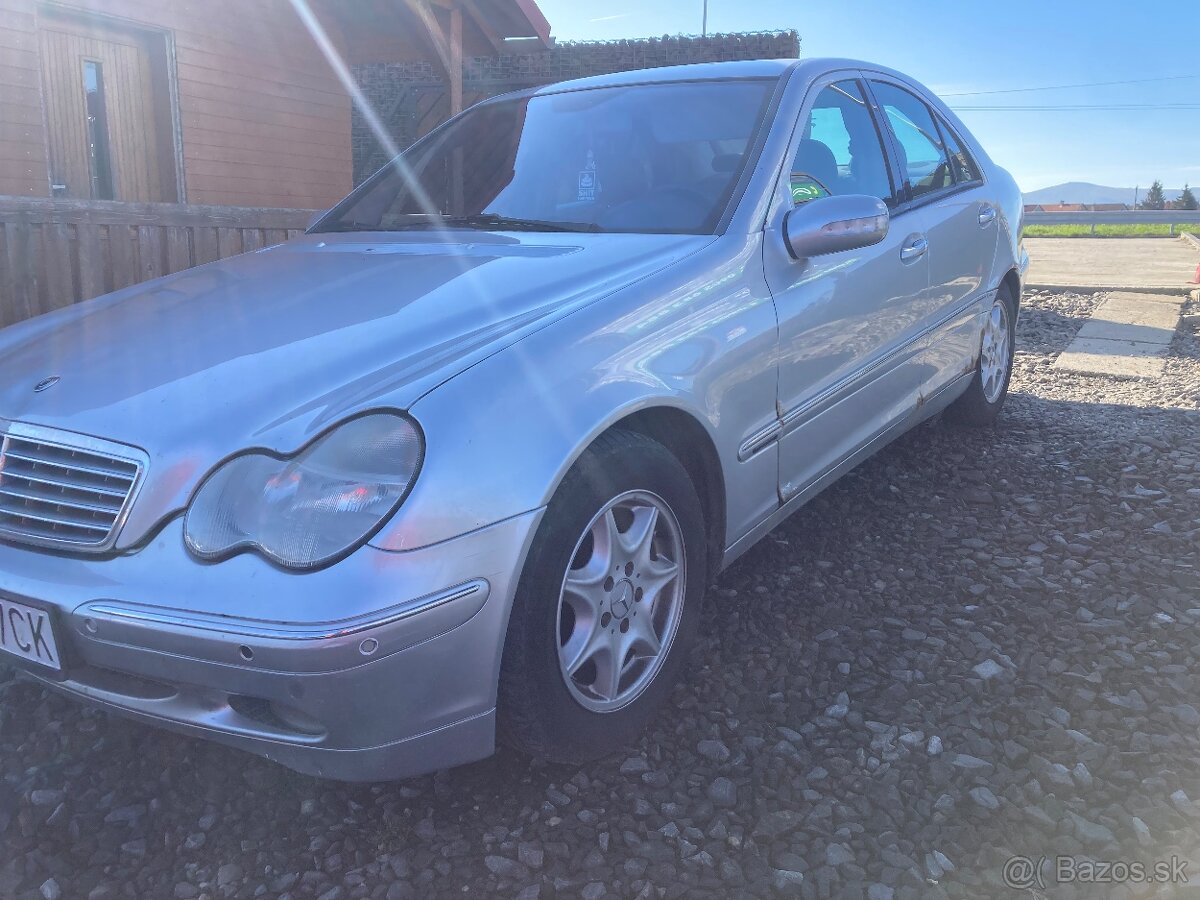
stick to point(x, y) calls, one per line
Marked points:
point(689, 442)
point(1012, 281)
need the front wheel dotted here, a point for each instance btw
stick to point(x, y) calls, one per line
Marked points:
point(608, 603)
point(981, 403)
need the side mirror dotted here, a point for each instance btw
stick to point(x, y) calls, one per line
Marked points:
point(830, 224)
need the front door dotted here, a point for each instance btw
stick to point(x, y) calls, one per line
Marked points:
point(849, 322)
point(102, 112)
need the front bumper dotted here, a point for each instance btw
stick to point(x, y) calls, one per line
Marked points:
point(382, 666)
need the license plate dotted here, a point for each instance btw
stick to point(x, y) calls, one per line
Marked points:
point(25, 632)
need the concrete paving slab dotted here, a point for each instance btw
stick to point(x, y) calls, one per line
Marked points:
point(1095, 329)
point(1128, 335)
point(1157, 265)
point(1146, 318)
point(1121, 305)
point(1129, 359)
point(1115, 348)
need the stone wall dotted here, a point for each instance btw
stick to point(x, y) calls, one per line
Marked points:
point(410, 98)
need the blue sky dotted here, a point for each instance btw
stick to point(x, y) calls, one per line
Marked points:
point(956, 46)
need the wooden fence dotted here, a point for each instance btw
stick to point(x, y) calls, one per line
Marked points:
point(57, 252)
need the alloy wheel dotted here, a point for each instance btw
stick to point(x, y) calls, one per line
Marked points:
point(995, 355)
point(621, 601)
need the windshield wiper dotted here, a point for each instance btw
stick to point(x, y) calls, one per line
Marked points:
point(491, 221)
point(480, 221)
point(330, 227)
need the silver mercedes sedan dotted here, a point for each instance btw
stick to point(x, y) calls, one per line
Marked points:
point(458, 464)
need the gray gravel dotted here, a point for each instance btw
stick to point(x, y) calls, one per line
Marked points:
point(979, 644)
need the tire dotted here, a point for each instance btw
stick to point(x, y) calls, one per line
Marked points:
point(980, 405)
point(565, 616)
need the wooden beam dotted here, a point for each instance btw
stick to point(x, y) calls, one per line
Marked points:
point(432, 31)
point(536, 19)
point(494, 39)
point(446, 43)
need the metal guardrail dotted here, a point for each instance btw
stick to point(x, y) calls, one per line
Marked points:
point(1117, 217)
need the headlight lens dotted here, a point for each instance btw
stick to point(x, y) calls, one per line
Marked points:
point(306, 511)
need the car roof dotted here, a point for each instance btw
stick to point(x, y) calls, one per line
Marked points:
point(733, 69)
point(751, 68)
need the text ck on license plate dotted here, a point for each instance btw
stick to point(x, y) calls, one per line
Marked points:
point(25, 632)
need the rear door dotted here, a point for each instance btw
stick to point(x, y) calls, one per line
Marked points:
point(848, 321)
point(947, 200)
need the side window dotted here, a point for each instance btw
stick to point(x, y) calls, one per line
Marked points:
point(840, 151)
point(923, 158)
point(961, 163)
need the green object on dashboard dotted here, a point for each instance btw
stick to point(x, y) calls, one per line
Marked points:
point(805, 188)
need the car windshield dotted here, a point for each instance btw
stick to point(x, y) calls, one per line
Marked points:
point(647, 158)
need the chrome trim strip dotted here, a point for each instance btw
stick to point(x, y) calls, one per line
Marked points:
point(81, 467)
point(78, 524)
point(76, 504)
point(815, 405)
point(793, 417)
point(69, 440)
point(760, 440)
point(94, 489)
point(279, 631)
point(923, 410)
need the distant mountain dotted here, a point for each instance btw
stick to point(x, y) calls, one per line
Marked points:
point(1083, 192)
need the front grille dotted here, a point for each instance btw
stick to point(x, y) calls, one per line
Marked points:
point(64, 490)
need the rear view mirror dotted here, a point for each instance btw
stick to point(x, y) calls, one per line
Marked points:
point(831, 224)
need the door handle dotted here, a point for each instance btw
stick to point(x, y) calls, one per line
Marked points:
point(914, 249)
point(987, 216)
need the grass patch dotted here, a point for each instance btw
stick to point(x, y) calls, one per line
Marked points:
point(1133, 230)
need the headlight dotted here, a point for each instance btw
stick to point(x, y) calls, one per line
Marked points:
point(307, 510)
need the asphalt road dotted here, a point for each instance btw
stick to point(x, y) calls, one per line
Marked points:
point(980, 646)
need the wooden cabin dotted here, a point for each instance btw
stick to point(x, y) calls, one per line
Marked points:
point(219, 102)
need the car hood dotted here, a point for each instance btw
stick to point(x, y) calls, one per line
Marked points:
point(270, 348)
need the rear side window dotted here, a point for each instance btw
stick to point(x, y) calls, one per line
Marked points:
point(923, 158)
point(961, 162)
point(840, 151)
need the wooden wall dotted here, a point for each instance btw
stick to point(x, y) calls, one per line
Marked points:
point(264, 120)
point(22, 135)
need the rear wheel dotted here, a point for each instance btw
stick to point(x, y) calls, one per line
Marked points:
point(981, 403)
point(608, 603)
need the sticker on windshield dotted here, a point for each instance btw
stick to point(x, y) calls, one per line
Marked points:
point(587, 180)
point(805, 188)
point(587, 186)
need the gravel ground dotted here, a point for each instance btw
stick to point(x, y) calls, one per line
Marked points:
point(978, 645)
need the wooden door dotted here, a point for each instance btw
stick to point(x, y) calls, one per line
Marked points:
point(100, 112)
